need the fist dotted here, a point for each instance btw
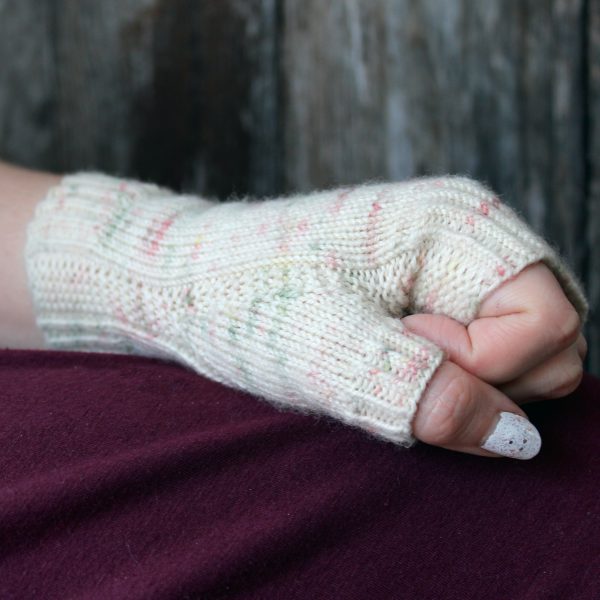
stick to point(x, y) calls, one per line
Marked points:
point(524, 345)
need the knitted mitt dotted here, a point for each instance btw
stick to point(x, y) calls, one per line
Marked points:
point(295, 300)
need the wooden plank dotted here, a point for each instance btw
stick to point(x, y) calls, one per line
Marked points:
point(192, 95)
point(382, 89)
point(392, 89)
point(27, 83)
point(172, 92)
point(182, 93)
point(593, 199)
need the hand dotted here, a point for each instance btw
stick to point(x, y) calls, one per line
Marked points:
point(525, 344)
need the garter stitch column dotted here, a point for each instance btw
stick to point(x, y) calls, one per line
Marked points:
point(295, 300)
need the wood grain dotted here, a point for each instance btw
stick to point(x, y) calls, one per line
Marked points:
point(176, 91)
point(380, 89)
point(262, 97)
point(591, 240)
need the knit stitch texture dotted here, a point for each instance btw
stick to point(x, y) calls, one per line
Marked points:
point(296, 300)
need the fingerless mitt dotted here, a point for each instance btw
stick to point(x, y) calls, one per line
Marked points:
point(296, 300)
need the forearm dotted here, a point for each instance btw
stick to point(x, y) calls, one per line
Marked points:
point(20, 191)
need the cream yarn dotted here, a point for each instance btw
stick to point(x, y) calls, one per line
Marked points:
point(296, 300)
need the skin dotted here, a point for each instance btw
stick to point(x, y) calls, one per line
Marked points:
point(525, 344)
point(20, 191)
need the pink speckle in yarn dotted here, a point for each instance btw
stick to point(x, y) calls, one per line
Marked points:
point(159, 235)
point(484, 209)
point(412, 368)
point(303, 225)
point(501, 270)
point(509, 261)
point(120, 315)
point(331, 260)
point(371, 232)
point(339, 201)
point(431, 300)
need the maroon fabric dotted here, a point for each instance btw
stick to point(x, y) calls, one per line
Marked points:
point(127, 477)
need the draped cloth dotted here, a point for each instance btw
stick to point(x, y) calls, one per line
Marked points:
point(130, 477)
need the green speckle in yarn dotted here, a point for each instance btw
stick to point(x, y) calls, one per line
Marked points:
point(114, 222)
point(387, 366)
point(288, 293)
point(252, 314)
point(233, 330)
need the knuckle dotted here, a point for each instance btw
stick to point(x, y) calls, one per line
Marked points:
point(480, 363)
point(568, 328)
point(451, 412)
point(573, 374)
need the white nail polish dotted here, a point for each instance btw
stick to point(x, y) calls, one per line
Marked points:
point(514, 436)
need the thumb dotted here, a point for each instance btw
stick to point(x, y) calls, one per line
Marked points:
point(446, 333)
point(460, 412)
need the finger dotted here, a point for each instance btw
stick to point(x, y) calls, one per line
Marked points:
point(498, 349)
point(460, 412)
point(526, 321)
point(582, 347)
point(446, 333)
point(555, 378)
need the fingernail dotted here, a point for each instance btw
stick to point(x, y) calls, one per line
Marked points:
point(514, 436)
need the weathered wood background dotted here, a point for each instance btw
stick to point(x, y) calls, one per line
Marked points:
point(261, 97)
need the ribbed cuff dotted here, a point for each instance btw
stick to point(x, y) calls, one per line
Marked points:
point(471, 243)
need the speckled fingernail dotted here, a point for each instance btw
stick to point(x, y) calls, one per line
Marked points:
point(514, 436)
